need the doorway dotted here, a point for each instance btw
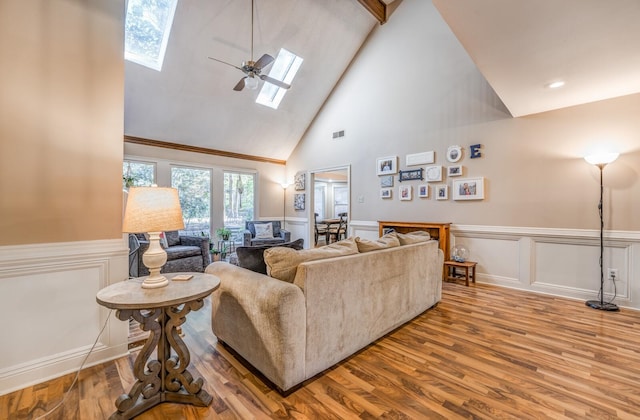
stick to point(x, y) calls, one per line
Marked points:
point(330, 197)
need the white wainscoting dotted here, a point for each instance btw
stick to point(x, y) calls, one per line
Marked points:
point(560, 262)
point(51, 317)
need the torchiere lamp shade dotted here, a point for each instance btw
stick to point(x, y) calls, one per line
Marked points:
point(152, 209)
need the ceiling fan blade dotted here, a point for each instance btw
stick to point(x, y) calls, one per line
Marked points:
point(264, 61)
point(240, 85)
point(273, 81)
point(224, 62)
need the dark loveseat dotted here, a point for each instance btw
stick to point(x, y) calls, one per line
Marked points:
point(184, 253)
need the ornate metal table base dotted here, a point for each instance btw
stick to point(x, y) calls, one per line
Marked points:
point(167, 378)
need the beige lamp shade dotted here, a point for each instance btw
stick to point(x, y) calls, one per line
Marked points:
point(152, 209)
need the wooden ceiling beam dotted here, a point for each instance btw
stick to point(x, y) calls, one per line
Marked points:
point(377, 8)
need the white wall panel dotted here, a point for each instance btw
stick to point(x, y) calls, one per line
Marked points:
point(48, 291)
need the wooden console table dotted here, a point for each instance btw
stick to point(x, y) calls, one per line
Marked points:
point(439, 231)
point(160, 311)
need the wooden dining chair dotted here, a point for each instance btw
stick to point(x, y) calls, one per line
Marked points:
point(320, 229)
point(339, 231)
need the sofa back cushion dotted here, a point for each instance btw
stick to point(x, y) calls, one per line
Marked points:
point(173, 237)
point(252, 257)
point(390, 240)
point(413, 237)
point(282, 263)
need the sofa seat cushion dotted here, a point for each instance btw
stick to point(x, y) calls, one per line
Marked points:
point(181, 251)
point(252, 257)
point(413, 237)
point(282, 263)
point(390, 240)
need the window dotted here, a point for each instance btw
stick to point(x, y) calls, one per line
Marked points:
point(147, 27)
point(340, 199)
point(284, 68)
point(194, 189)
point(239, 194)
point(138, 174)
point(319, 199)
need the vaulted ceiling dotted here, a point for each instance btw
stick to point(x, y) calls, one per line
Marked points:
point(519, 46)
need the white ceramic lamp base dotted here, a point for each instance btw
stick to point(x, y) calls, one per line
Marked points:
point(154, 259)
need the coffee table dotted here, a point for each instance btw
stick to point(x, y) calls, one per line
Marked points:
point(160, 311)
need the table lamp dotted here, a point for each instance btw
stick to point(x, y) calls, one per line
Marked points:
point(153, 210)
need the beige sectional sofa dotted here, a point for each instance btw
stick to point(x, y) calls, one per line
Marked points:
point(291, 331)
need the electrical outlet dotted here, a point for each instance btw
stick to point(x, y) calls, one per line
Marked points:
point(613, 274)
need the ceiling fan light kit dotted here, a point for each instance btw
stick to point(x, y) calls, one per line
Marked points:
point(253, 69)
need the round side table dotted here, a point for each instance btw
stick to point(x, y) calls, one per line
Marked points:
point(160, 311)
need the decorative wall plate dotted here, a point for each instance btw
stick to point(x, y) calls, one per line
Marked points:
point(433, 173)
point(454, 153)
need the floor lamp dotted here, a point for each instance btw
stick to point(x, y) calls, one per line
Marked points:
point(601, 160)
point(285, 185)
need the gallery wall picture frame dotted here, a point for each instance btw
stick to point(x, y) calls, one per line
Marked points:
point(386, 193)
point(298, 201)
point(386, 181)
point(468, 189)
point(387, 165)
point(423, 191)
point(412, 175)
point(420, 158)
point(299, 181)
point(433, 173)
point(454, 153)
point(442, 192)
point(455, 170)
point(405, 192)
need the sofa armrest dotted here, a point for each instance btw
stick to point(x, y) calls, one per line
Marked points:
point(263, 319)
point(286, 235)
point(246, 237)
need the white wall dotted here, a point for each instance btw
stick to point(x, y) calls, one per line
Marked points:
point(412, 88)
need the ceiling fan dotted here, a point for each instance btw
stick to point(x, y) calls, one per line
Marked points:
point(253, 69)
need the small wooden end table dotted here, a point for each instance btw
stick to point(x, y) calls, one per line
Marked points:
point(160, 311)
point(451, 266)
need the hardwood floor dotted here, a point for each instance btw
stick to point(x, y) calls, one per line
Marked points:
point(484, 353)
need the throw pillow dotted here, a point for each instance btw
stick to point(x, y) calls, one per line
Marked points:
point(264, 231)
point(163, 240)
point(282, 263)
point(390, 240)
point(252, 257)
point(413, 237)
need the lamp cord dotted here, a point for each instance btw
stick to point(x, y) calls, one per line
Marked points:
point(75, 379)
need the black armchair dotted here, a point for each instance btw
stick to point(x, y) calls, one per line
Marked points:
point(253, 236)
point(184, 253)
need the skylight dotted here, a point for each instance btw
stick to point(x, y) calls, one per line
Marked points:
point(284, 68)
point(147, 28)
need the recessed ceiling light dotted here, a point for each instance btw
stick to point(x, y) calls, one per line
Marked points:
point(555, 85)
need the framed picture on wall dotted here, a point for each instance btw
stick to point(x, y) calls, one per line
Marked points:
point(387, 165)
point(423, 191)
point(442, 192)
point(299, 181)
point(468, 189)
point(454, 170)
point(386, 181)
point(405, 192)
point(385, 193)
point(298, 201)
